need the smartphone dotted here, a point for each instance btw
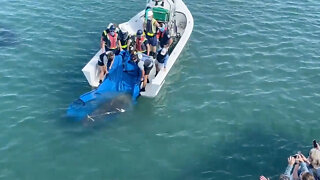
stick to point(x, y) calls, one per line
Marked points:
point(315, 145)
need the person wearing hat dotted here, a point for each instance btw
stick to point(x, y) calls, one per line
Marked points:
point(145, 64)
point(165, 42)
point(105, 67)
point(141, 43)
point(150, 27)
point(110, 40)
point(125, 40)
point(161, 60)
point(165, 39)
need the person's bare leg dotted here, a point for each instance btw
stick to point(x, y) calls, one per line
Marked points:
point(154, 49)
point(145, 81)
point(157, 67)
point(102, 72)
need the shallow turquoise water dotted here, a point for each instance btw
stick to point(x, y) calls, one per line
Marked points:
point(243, 95)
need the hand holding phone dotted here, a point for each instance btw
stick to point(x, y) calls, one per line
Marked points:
point(295, 156)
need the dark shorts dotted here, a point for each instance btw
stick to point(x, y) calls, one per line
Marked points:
point(101, 61)
point(147, 70)
point(152, 40)
point(147, 67)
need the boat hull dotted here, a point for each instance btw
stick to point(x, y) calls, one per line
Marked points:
point(184, 27)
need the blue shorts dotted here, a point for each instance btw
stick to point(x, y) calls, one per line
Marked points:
point(152, 40)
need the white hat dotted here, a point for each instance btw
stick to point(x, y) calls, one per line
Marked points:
point(150, 13)
point(164, 51)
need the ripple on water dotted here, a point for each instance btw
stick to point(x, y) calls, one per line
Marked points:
point(250, 69)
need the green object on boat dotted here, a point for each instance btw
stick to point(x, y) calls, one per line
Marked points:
point(161, 14)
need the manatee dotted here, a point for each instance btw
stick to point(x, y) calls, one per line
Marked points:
point(119, 104)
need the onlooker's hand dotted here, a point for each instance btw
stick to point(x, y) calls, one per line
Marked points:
point(299, 158)
point(291, 160)
point(264, 178)
point(304, 158)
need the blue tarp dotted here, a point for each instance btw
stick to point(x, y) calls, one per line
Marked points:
point(123, 78)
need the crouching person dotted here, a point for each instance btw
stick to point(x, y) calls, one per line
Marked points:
point(103, 66)
point(145, 64)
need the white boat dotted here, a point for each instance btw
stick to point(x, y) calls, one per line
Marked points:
point(180, 24)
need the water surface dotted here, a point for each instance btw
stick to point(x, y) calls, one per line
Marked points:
point(243, 95)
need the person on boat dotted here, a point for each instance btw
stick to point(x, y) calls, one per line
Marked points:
point(125, 40)
point(165, 42)
point(105, 67)
point(161, 60)
point(141, 43)
point(148, 8)
point(150, 27)
point(145, 64)
point(157, 1)
point(165, 39)
point(110, 40)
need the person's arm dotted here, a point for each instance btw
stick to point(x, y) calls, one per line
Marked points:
point(111, 64)
point(140, 65)
point(169, 44)
point(304, 159)
point(291, 161)
point(156, 23)
point(144, 25)
point(119, 43)
point(102, 43)
point(288, 170)
point(295, 172)
point(128, 44)
point(142, 76)
point(165, 63)
point(304, 167)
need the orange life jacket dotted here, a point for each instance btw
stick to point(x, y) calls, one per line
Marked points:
point(113, 41)
point(160, 34)
point(140, 47)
